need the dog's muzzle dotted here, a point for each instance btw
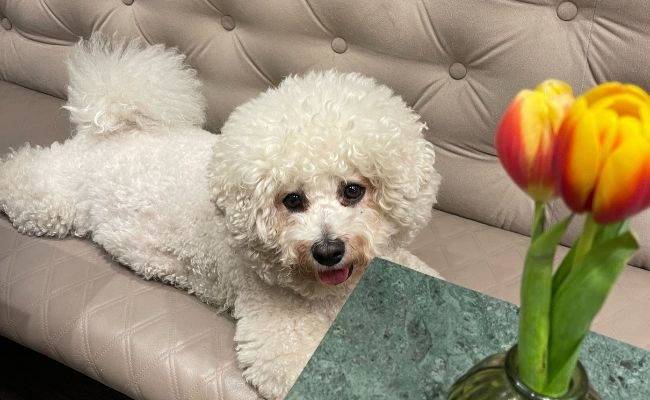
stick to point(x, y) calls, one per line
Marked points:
point(329, 253)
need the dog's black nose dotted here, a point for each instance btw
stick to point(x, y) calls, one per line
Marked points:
point(328, 252)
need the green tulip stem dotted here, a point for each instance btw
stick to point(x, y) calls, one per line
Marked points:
point(534, 316)
point(586, 239)
point(539, 220)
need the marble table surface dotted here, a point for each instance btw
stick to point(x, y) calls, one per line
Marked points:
point(404, 335)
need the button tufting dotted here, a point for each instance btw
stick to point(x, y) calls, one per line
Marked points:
point(6, 23)
point(127, 2)
point(457, 70)
point(567, 11)
point(228, 22)
point(339, 45)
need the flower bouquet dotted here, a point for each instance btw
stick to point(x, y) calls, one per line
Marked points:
point(594, 153)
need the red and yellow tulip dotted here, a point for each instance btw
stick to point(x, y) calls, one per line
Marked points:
point(595, 153)
point(526, 135)
point(602, 156)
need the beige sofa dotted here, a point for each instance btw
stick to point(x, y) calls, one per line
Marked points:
point(457, 63)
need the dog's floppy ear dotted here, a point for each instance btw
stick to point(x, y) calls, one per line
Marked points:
point(243, 191)
point(404, 176)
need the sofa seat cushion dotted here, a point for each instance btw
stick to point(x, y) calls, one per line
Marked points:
point(490, 260)
point(68, 300)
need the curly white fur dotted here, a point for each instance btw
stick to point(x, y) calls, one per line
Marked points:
point(208, 213)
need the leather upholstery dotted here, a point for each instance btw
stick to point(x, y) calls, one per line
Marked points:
point(19, 122)
point(67, 300)
point(457, 63)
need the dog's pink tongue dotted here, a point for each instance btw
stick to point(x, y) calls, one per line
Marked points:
point(335, 276)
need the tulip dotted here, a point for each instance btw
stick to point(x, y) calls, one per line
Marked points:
point(595, 153)
point(526, 135)
point(602, 157)
point(525, 141)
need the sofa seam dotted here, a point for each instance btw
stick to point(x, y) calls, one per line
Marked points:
point(588, 49)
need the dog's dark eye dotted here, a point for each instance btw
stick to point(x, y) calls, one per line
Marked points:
point(352, 193)
point(294, 202)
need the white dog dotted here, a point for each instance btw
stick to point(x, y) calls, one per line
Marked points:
point(275, 219)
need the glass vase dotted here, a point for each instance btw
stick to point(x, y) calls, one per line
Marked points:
point(496, 378)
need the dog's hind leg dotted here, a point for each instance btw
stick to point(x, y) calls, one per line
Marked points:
point(152, 264)
point(138, 248)
point(37, 190)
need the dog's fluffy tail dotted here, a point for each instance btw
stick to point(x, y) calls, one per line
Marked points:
point(117, 85)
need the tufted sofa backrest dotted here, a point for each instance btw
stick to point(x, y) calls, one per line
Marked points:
point(456, 62)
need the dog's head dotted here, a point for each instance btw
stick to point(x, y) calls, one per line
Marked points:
point(319, 175)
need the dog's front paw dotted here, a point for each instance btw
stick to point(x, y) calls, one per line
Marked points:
point(275, 342)
point(273, 374)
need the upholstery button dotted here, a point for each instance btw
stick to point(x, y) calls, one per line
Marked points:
point(228, 22)
point(6, 23)
point(457, 70)
point(339, 45)
point(127, 2)
point(567, 11)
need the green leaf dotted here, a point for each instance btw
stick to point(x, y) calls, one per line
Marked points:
point(604, 233)
point(535, 305)
point(610, 231)
point(579, 298)
point(564, 269)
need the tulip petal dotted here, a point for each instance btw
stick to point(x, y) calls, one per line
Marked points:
point(533, 116)
point(623, 188)
point(578, 159)
point(624, 104)
point(554, 87)
point(602, 157)
point(609, 89)
point(509, 143)
point(526, 135)
point(538, 116)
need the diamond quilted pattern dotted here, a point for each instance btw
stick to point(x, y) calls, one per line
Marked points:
point(489, 260)
point(68, 300)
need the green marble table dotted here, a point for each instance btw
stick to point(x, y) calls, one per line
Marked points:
point(404, 335)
